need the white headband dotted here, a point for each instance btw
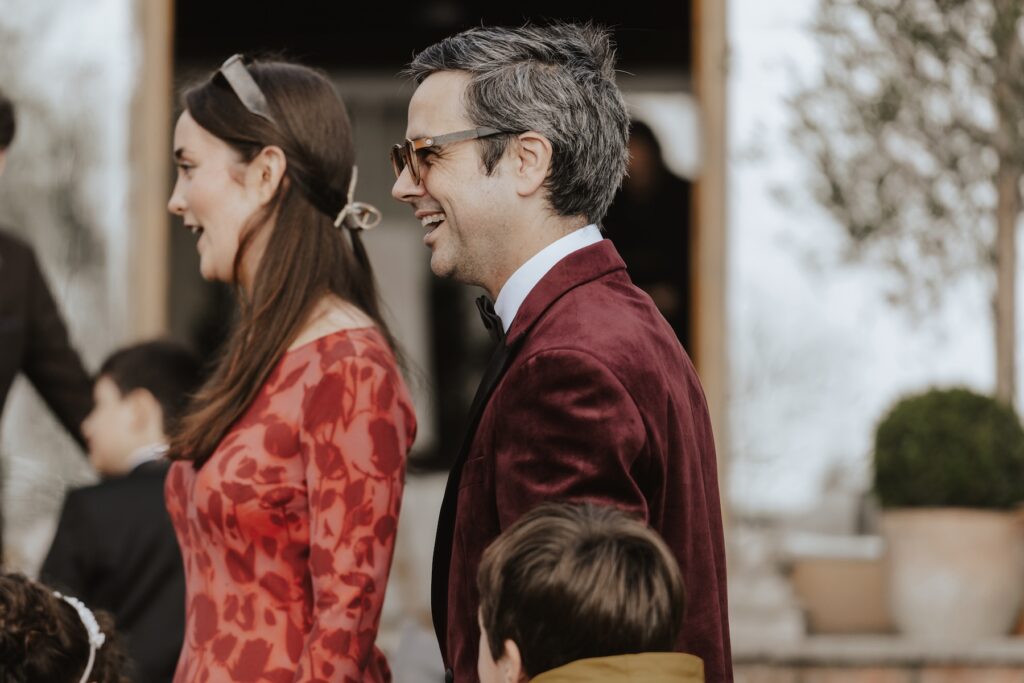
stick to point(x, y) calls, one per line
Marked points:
point(365, 216)
point(92, 627)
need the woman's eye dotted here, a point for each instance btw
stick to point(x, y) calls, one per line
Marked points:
point(185, 169)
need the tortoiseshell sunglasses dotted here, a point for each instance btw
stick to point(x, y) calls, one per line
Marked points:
point(406, 154)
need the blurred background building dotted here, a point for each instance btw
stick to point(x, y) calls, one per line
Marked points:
point(798, 349)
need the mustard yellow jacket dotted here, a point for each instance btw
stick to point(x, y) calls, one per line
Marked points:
point(649, 667)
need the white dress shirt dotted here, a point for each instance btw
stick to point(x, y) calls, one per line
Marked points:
point(526, 277)
point(139, 456)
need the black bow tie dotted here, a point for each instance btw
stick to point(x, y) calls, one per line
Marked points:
point(491, 319)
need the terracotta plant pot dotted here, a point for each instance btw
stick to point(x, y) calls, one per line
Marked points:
point(842, 595)
point(954, 574)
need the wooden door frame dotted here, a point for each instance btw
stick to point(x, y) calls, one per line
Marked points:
point(148, 160)
point(710, 220)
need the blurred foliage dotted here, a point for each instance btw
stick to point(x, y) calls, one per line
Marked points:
point(950, 448)
point(919, 103)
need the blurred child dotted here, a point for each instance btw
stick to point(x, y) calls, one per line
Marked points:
point(581, 593)
point(45, 636)
point(115, 547)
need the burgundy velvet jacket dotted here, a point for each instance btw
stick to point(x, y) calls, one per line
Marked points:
point(597, 402)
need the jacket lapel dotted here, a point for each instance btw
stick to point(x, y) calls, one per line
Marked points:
point(579, 267)
point(496, 367)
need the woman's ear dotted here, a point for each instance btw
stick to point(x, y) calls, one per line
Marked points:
point(266, 172)
point(532, 158)
point(512, 664)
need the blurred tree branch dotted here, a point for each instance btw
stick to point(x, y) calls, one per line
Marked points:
point(915, 134)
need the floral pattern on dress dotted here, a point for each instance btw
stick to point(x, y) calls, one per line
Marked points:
point(287, 531)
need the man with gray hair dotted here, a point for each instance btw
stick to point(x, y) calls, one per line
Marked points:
point(516, 144)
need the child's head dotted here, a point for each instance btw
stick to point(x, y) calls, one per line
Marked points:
point(573, 582)
point(139, 394)
point(44, 637)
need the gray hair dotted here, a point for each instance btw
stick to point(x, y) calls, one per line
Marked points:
point(557, 80)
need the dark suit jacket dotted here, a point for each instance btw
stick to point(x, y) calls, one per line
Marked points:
point(598, 403)
point(33, 339)
point(115, 549)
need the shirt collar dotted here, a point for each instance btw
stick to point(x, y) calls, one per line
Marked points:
point(144, 454)
point(526, 277)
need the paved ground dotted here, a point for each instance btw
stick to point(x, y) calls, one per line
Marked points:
point(407, 635)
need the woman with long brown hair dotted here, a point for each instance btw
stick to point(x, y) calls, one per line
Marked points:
point(286, 492)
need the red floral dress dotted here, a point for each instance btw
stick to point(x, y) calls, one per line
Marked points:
point(287, 531)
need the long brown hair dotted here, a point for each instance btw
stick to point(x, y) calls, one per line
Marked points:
point(305, 257)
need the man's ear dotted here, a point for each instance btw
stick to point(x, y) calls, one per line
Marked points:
point(532, 158)
point(512, 664)
point(266, 172)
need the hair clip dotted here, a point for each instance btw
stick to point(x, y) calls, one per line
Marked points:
point(92, 627)
point(364, 216)
point(245, 87)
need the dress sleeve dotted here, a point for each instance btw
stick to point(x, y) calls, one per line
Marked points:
point(569, 431)
point(354, 439)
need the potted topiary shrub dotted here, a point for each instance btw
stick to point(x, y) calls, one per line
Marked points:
point(949, 474)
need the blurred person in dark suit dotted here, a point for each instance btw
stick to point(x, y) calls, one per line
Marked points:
point(649, 222)
point(33, 337)
point(115, 547)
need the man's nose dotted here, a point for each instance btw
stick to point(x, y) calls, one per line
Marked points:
point(404, 189)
